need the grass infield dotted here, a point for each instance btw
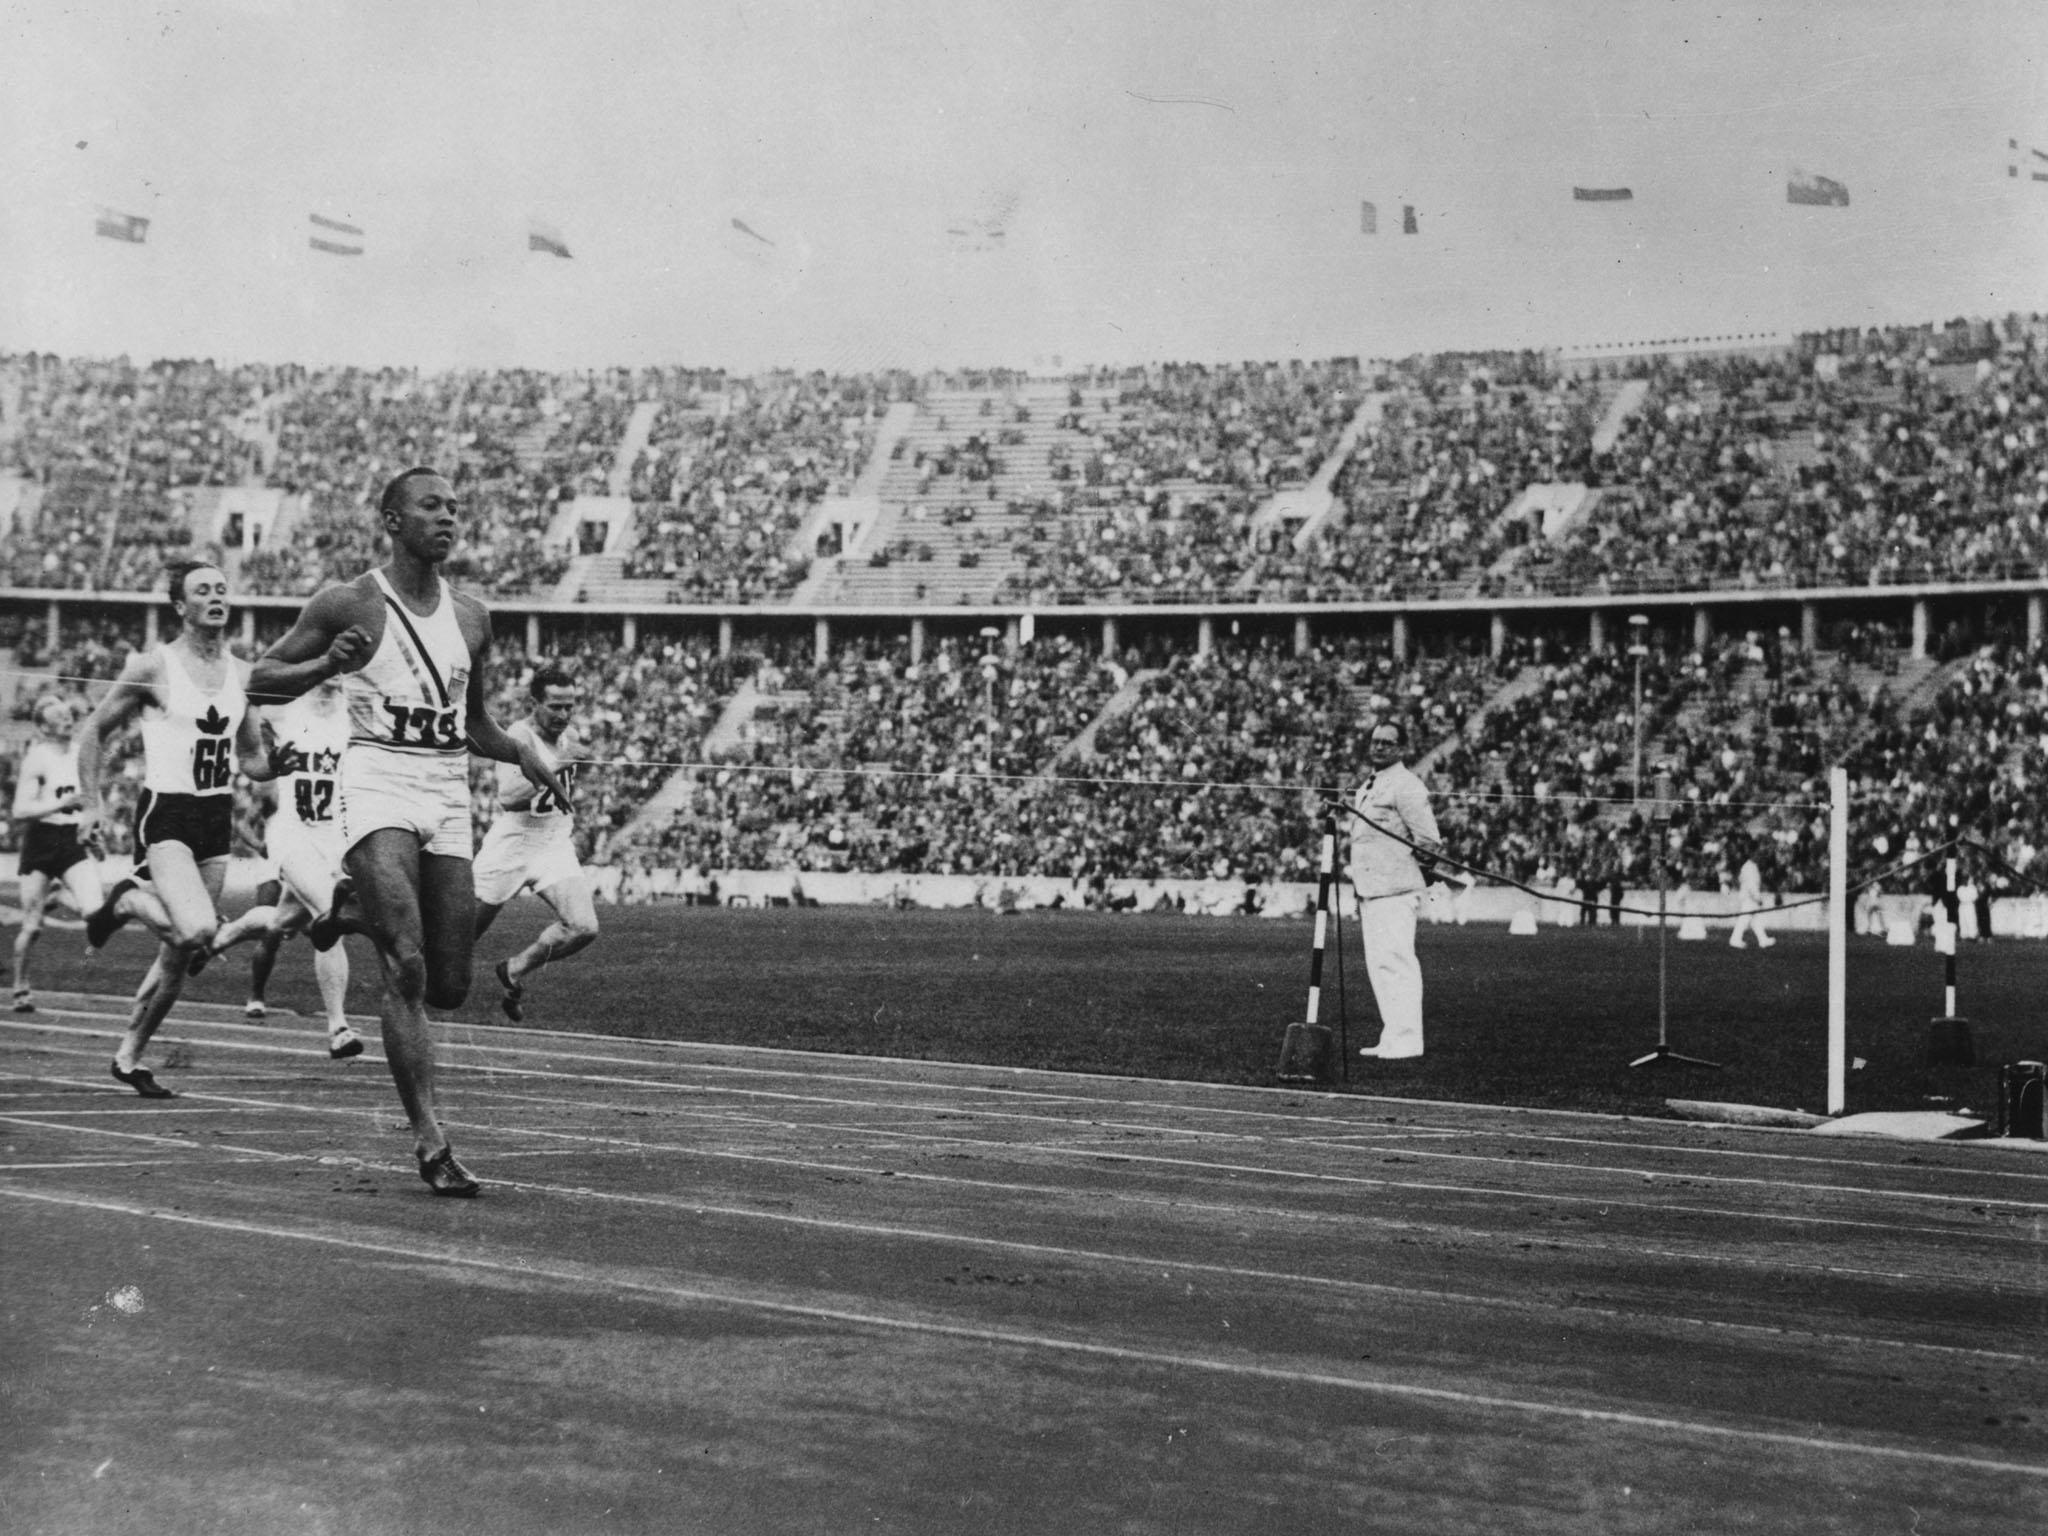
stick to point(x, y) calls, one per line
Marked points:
point(1552, 1020)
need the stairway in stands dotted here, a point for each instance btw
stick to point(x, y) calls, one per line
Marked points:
point(912, 511)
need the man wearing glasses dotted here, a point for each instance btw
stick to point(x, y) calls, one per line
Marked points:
point(1392, 813)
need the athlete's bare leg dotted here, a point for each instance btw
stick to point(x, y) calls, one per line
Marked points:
point(574, 928)
point(420, 911)
point(187, 892)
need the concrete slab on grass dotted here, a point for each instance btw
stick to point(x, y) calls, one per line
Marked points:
point(1904, 1125)
point(1744, 1114)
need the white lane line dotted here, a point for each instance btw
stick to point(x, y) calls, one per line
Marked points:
point(582, 1279)
point(515, 1042)
point(183, 1142)
point(95, 1162)
point(1100, 1154)
point(583, 1143)
point(1523, 1165)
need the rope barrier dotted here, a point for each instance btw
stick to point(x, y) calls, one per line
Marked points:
point(1437, 856)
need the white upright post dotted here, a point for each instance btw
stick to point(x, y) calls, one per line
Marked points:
point(1838, 940)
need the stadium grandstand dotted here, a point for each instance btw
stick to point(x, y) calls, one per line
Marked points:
point(1120, 625)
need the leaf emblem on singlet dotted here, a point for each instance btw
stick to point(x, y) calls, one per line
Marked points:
point(213, 722)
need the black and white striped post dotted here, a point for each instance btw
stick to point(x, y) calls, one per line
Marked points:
point(1307, 1054)
point(1948, 1037)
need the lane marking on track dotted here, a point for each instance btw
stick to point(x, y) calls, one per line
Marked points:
point(1776, 1186)
point(581, 1280)
point(663, 1055)
point(184, 1142)
point(1102, 1154)
point(582, 1146)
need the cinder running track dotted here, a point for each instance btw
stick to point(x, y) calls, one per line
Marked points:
point(721, 1290)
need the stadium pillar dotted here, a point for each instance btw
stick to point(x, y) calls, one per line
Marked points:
point(1400, 638)
point(1497, 636)
point(1010, 638)
point(1702, 626)
point(1302, 638)
point(1919, 629)
point(2034, 606)
point(1809, 626)
point(629, 632)
point(916, 642)
point(54, 628)
point(821, 646)
point(1109, 636)
point(1205, 635)
point(533, 634)
point(725, 634)
point(249, 630)
point(149, 625)
point(1596, 632)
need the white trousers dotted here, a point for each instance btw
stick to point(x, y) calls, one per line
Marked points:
point(1387, 924)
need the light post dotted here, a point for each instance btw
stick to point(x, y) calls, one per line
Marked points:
point(1639, 647)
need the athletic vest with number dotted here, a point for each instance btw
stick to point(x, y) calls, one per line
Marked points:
point(517, 797)
point(51, 768)
point(308, 794)
point(412, 697)
point(188, 737)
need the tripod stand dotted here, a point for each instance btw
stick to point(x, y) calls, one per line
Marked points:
point(1662, 1054)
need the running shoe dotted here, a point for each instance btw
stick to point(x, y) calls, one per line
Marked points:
point(325, 931)
point(255, 1008)
point(445, 1176)
point(24, 1000)
point(513, 992)
point(142, 1082)
point(343, 1043)
point(103, 921)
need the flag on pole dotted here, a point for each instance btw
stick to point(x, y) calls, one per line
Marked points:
point(334, 237)
point(1602, 195)
point(1408, 225)
point(1368, 219)
point(2036, 171)
point(1815, 191)
point(547, 239)
point(115, 225)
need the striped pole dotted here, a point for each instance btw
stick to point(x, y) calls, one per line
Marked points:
point(1305, 1054)
point(1325, 882)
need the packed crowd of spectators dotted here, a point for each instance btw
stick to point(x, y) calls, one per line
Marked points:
point(731, 469)
point(1847, 459)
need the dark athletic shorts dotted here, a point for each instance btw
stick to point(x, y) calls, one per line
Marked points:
point(48, 849)
point(203, 823)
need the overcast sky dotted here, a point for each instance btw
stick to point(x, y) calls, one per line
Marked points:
point(1170, 181)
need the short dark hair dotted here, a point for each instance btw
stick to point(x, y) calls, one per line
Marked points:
point(549, 675)
point(394, 488)
point(178, 570)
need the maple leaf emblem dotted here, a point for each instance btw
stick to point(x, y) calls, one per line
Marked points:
point(213, 722)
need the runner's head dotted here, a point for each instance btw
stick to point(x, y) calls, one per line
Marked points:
point(54, 717)
point(198, 590)
point(555, 697)
point(418, 511)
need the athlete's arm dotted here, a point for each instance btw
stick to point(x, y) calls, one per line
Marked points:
point(123, 703)
point(487, 738)
point(329, 638)
point(255, 760)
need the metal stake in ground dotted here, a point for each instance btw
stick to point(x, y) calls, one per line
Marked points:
point(1660, 828)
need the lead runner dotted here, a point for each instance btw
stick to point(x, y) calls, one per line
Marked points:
point(411, 650)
